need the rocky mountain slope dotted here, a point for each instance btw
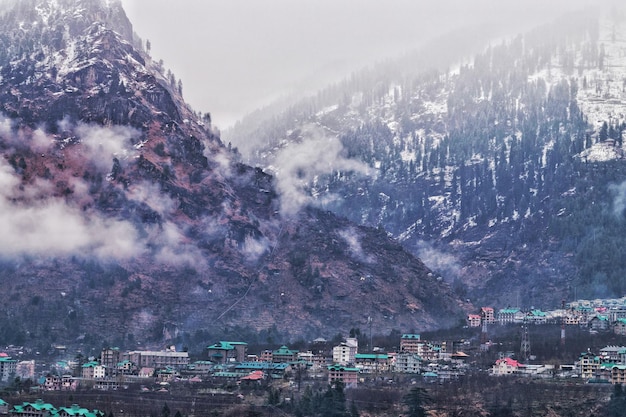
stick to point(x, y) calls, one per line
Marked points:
point(504, 171)
point(126, 221)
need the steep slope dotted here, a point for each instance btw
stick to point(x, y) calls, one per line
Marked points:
point(493, 171)
point(125, 220)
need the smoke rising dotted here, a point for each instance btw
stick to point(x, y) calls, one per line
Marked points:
point(619, 199)
point(353, 240)
point(443, 263)
point(299, 165)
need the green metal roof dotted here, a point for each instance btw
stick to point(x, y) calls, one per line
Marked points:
point(75, 410)
point(226, 345)
point(411, 336)
point(509, 310)
point(284, 350)
point(371, 356)
point(342, 368)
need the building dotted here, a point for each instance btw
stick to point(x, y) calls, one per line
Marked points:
point(589, 365)
point(407, 363)
point(36, 409)
point(76, 411)
point(345, 353)
point(110, 357)
point(25, 369)
point(8, 368)
point(506, 366)
point(93, 370)
point(410, 343)
point(347, 375)
point(157, 359)
point(487, 315)
point(510, 315)
point(369, 363)
point(4, 407)
point(599, 323)
point(619, 326)
point(473, 320)
point(284, 354)
point(228, 352)
point(59, 383)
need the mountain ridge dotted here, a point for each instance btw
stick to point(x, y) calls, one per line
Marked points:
point(128, 222)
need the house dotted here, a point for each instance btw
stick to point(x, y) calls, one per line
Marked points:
point(228, 352)
point(473, 320)
point(407, 363)
point(344, 354)
point(487, 315)
point(617, 374)
point(369, 363)
point(36, 409)
point(93, 370)
point(536, 316)
point(506, 366)
point(125, 367)
point(76, 411)
point(599, 323)
point(8, 368)
point(59, 383)
point(347, 375)
point(284, 354)
point(589, 365)
point(4, 407)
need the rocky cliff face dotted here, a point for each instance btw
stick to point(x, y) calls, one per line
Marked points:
point(125, 220)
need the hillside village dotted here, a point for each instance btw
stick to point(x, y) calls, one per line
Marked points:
point(230, 366)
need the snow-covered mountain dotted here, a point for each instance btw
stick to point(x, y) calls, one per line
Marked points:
point(503, 171)
point(125, 220)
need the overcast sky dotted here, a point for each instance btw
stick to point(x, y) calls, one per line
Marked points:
point(235, 55)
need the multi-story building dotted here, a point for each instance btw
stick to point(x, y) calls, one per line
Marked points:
point(589, 365)
point(110, 357)
point(345, 353)
point(284, 355)
point(158, 359)
point(410, 343)
point(349, 376)
point(487, 315)
point(369, 363)
point(473, 320)
point(8, 368)
point(510, 315)
point(93, 370)
point(228, 352)
point(407, 363)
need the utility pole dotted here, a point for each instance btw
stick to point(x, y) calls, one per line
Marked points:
point(525, 346)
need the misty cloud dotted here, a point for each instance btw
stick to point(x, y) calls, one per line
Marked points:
point(443, 263)
point(298, 165)
point(352, 238)
point(102, 144)
point(253, 248)
point(53, 228)
point(619, 199)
